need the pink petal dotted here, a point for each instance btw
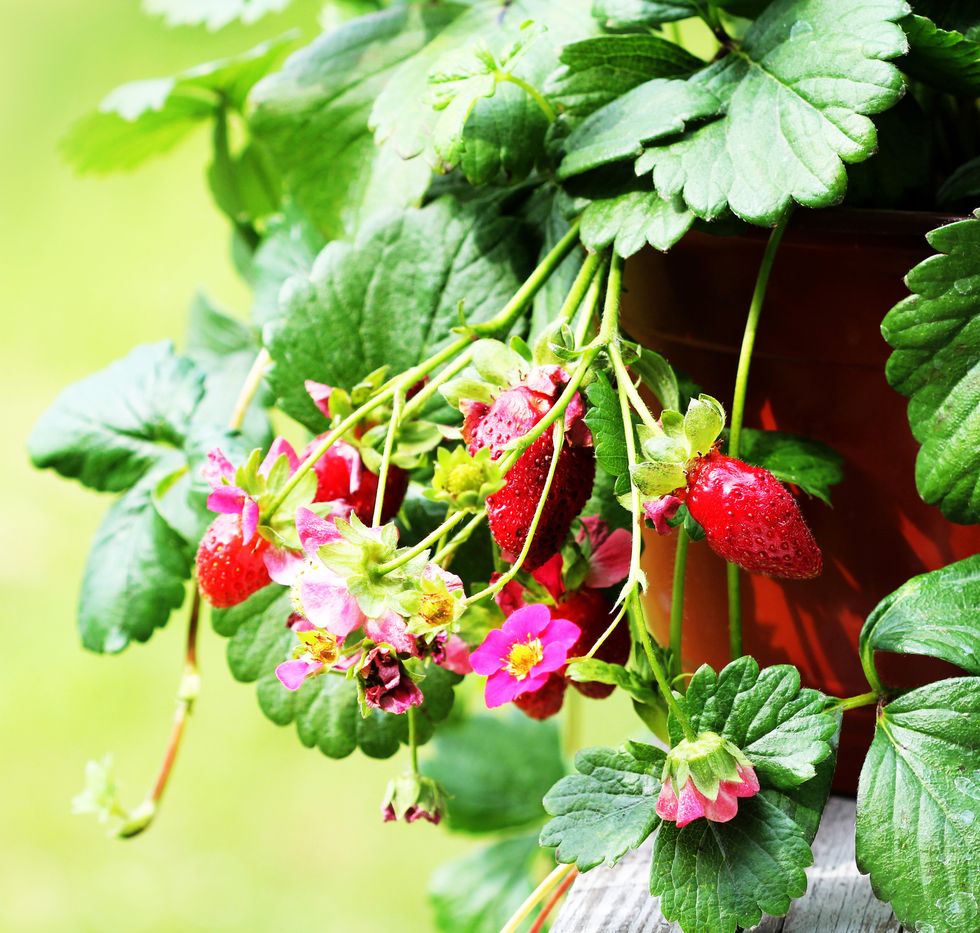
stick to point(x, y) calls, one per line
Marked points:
point(292, 674)
point(300, 623)
point(690, 805)
point(328, 604)
point(561, 632)
point(722, 808)
point(547, 380)
point(533, 683)
point(250, 519)
point(218, 468)
point(391, 629)
point(749, 786)
point(611, 560)
point(434, 573)
point(501, 688)
point(527, 622)
point(659, 511)
point(314, 531)
point(553, 658)
point(489, 657)
point(456, 656)
point(279, 447)
point(320, 393)
point(226, 500)
point(283, 565)
point(667, 802)
point(549, 576)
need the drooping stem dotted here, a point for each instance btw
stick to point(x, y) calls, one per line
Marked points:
point(413, 744)
point(251, 385)
point(738, 413)
point(531, 92)
point(431, 538)
point(379, 498)
point(677, 601)
point(549, 906)
point(445, 553)
point(870, 671)
point(558, 437)
point(557, 875)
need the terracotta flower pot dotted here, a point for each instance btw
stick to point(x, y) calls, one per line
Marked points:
point(818, 370)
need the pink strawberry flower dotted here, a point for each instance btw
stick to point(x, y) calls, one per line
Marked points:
point(318, 594)
point(692, 804)
point(320, 393)
point(518, 658)
point(318, 650)
point(609, 562)
point(661, 511)
point(228, 499)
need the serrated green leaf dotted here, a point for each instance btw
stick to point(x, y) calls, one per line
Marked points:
point(943, 58)
point(782, 728)
point(631, 14)
point(390, 297)
point(313, 116)
point(480, 891)
point(324, 709)
point(962, 185)
point(111, 428)
point(797, 96)
point(935, 614)
point(596, 71)
point(935, 334)
point(214, 14)
point(653, 110)
point(289, 248)
point(146, 118)
point(809, 464)
point(607, 808)
point(633, 220)
point(605, 420)
point(917, 832)
point(495, 770)
point(959, 15)
point(135, 574)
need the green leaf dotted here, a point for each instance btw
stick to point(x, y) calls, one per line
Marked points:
point(935, 334)
point(324, 709)
point(944, 59)
point(605, 420)
point(631, 14)
point(495, 770)
point(653, 110)
point(214, 14)
point(917, 832)
point(659, 377)
point(959, 15)
point(592, 670)
point(596, 71)
point(796, 97)
point(962, 185)
point(146, 118)
point(633, 220)
point(313, 116)
point(934, 614)
point(607, 808)
point(480, 891)
point(289, 248)
point(113, 427)
point(390, 298)
point(809, 464)
point(135, 573)
point(781, 727)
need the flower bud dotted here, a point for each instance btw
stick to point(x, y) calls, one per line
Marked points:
point(413, 797)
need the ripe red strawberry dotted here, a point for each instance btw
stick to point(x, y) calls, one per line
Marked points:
point(342, 476)
point(592, 612)
point(750, 518)
point(228, 570)
point(545, 702)
point(511, 510)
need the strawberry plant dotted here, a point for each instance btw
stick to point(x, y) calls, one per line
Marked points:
point(434, 205)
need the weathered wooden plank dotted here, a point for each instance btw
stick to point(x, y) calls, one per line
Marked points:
point(838, 898)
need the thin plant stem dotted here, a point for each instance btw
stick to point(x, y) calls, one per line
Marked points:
point(446, 552)
point(609, 630)
point(555, 877)
point(558, 436)
point(870, 671)
point(413, 744)
point(531, 92)
point(639, 406)
point(251, 385)
point(588, 310)
point(738, 413)
point(417, 401)
point(379, 498)
point(581, 285)
point(549, 906)
point(864, 699)
point(677, 600)
point(431, 538)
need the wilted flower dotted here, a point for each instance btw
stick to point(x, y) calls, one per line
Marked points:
point(413, 797)
point(661, 511)
point(386, 683)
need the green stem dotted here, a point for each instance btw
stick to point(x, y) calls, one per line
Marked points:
point(556, 876)
point(588, 311)
point(413, 746)
point(251, 385)
point(558, 436)
point(431, 538)
point(870, 671)
point(677, 600)
point(379, 498)
point(738, 413)
point(864, 699)
point(531, 92)
point(581, 285)
point(639, 406)
point(447, 551)
point(417, 401)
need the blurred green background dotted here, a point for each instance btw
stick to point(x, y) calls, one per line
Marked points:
point(256, 833)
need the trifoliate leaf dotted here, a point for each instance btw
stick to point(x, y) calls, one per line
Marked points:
point(214, 14)
point(607, 808)
point(495, 770)
point(113, 427)
point(809, 464)
point(653, 110)
point(146, 118)
point(781, 727)
point(797, 96)
point(935, 614)
point(632, 14)
point(313, 116)
point(633, 220)
point(942, 58)
point(479, 892)
point(605, 420)
point(390, 297)
point(917, 832)
point(935, 334)
point(325, 708)
point(135, 574)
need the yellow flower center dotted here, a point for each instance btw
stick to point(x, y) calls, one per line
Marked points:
point(523, 656)
point(320, 646)
point(436, 609)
